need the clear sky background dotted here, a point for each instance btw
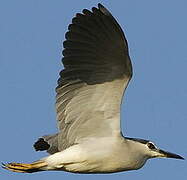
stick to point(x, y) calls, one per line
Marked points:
point(31, 35)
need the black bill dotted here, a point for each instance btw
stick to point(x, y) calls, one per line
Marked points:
point(169, 155)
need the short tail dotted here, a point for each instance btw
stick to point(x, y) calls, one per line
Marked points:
point(25, 168)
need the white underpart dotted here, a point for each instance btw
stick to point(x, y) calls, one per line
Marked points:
point(96, 155)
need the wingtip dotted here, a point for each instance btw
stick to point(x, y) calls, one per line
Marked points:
point(103, 9)
point(100, 5)
point(41, 145)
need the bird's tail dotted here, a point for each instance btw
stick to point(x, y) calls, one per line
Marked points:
point(26, 168)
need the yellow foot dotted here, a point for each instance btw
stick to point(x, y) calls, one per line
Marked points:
point(25, 168)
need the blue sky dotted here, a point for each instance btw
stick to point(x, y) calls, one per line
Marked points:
point(155, 104)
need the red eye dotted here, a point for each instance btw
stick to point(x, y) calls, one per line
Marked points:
point(151, 145)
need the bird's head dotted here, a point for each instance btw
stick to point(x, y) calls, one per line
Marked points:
point(151, 150)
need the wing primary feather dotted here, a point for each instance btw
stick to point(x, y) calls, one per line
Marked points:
point(97, 70)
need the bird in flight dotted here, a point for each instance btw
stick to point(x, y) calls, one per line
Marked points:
point(97, 70)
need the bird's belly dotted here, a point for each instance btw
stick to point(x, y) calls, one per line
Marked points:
point(105, 155)
point(104, 158)
point(101, 165)
point(86, 167)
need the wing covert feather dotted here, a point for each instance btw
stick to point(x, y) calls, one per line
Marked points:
point(97, 69)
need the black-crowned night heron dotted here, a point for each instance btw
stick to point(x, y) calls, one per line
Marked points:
point(97, 70)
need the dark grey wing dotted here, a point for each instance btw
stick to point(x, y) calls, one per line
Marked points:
point(97, 70)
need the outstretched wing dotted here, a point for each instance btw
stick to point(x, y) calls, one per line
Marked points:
point(97, 70)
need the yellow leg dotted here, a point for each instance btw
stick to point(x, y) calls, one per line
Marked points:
point(25, 168)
